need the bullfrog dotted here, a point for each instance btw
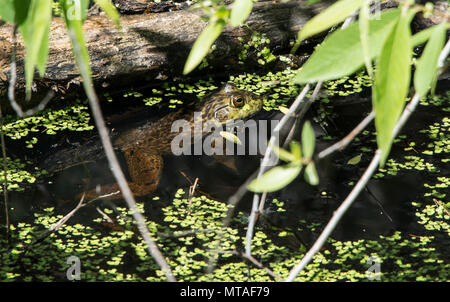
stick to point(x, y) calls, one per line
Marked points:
point(145, 146)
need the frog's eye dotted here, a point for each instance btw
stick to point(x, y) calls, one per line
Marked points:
point(238, 102)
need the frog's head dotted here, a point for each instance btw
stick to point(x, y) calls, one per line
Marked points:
point(230, 104)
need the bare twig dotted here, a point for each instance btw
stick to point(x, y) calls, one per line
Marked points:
point(340, 145)
point(266, 162)
point(5, 179)
point(298, 106)
point(339, 213)
point(123, 185)
point(114, 163)
point(336, 218)
point(13, 77)
point(12, 86)
point(63, 220)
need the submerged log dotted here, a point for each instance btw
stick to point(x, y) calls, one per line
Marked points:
point(149, 46)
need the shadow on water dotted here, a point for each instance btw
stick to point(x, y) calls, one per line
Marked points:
point(381, 209)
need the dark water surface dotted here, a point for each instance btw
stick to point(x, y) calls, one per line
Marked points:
point(382, 208)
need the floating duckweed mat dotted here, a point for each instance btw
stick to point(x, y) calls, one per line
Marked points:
point(277, 88)
point(190, 227)
point(189, 232)
point(18, 174)
point(49, 121)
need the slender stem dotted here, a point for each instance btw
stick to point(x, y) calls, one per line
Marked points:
point(336, 218)
point(114, 163)
point(265, 163)
point(13, 77)
point(298, 105)
point(362, 182)
point(5, 179)
point(339, 213)
point(340, 145)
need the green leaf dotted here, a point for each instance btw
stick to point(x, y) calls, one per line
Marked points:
point(311, 176)
point(423, 36)
point(296, 150)
point(428, 63)
point(392, 82)
point(283, 109)
point(331, 16)
point(276, 178)
point(308, 140)
point(240, 12)
point(364, 30)
point(43, 52)
point(341, 53)
point(110, 10)
point(75, 9)
point(35, 30)
point(283, 154)
point(75, 30)
point(230, 137)
point(14, 11)
point(354, 160)
point(203, 44)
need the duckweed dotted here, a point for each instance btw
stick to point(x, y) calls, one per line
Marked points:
point(189, 233)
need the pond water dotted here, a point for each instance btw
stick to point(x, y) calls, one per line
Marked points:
point(383, 208)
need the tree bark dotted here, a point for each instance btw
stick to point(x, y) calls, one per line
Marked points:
point(149, 46)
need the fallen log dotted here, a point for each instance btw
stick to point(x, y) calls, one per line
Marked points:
point(149, 46)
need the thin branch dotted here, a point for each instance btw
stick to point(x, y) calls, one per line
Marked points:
point(336, 218)
point(123, 185)
point(298, 106)
point(63, 220)
point(5, 179)
point(266, 162)
point(340, 145)
point(339, 213)
point(13, 77)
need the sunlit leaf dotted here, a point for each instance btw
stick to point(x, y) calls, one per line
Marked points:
point(364, 30)
point(311, 176)
point(43, 52)
point(331, 16)
point(341, 53)
point(203, 44)
point(283, 109)
point(276, 178)
point(230, 137)
point(75, 10)
point(392, 82)
point(35, 30)
point(110, 10)
point(75, 30)
point(423, 35)
point(296, 150)
point(354, 160)
point(240, 12)
point(283, 154)
point(14, 11)
point(428, 63)
point(308, 140)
